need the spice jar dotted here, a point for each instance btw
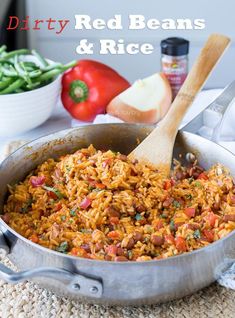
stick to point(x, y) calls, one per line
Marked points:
point(174, 61)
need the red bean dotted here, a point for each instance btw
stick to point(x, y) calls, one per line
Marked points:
point(140, 208)
point(120, 259)
point(113, 212)
point(130, 244)
point(167, 202)
point(157, 240)
point(216, 206)
point(86, 247)
point(229, 217)
point(98, 246)
point(111, 250)
point(137, 236)
point(108, 258)
point(120, 251)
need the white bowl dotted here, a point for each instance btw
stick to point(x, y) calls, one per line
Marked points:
point(21, 112)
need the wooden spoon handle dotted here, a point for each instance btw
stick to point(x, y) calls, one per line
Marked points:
point(207, 59)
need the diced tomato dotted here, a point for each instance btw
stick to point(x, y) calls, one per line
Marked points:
point(209, 235)
point(100, 186)
point(52, 195)
point(202, 176)
point(212, 217)
point(113, 235)
point(114, 220)
point(180, 244)
point(190, 212)
point(34, 238)
point(158, 224)
point(86, 202)
point(170, 238)
point(57, 207)
point(111, 250)
point(167, 185)
point(167, 202)
point(78, 251)
point(193, 226)
point(178, 224)
point(37, 181)
point(74, 251)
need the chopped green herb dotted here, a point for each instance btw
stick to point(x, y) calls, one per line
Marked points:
point(138, 217)
point(197, 234)
point(55, 191)
point(63, 217)
point(176, 204)
point(68, 168)
point(189, 196)
point(72, 212)
point(63, 247)
point(27, 205)
point(172, 225)
point(146, 239)
point(188, 237)
point(97, 190)
point(163, 216)
point(198, 184)
point(130, 254)
point(90, 188)
point(70, 221)
point(85, 231)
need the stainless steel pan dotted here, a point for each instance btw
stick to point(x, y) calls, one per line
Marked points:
point(101, 281)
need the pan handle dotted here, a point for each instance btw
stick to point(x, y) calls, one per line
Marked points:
point(220, 106)
point(74, 282)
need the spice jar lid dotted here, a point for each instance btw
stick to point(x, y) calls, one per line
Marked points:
point(175, 46)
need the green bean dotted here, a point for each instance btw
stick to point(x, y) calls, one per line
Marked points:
point(11, 88)
point(3, 61)
point(49, 75)
point(52, 66)
point(6, 82)
point(33, 85)
point(69, 65)
point(30, 64)
point(17, 74)
point(16, 52)
point(10, 71)
point(40, 58)
point(35, 73)
point(19, 90)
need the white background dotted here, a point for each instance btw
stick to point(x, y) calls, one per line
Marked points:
point(219, 16)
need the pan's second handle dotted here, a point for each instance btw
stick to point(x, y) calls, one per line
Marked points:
point(221, 106)
point(73, 282)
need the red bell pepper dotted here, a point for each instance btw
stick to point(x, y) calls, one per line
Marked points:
point(89, 87)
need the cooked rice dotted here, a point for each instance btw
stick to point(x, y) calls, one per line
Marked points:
point(101, 205)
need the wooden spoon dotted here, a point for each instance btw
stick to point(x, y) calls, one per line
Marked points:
point(157, 148)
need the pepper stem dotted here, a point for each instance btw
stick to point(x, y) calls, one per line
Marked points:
point(78, 91)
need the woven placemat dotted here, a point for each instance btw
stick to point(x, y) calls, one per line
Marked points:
point(28, 300)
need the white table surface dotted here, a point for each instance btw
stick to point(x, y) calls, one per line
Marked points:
point(60, 119)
